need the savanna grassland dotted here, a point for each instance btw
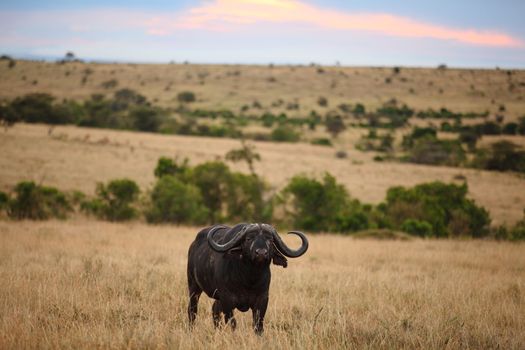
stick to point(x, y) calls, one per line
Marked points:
point(232, 86)
point(85, 284)
point(74, 158)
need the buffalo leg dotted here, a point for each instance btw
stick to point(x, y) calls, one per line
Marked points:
point(258, 312)
point(195, 293)
point(228, 317)
point(216, 310)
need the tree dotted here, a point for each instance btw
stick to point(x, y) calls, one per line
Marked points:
point(335, 125)
point(8, 116)
point(246, 153)
point(70, 56)
point(177, 202)
point(114, 201)
point(186, 97)
point(146, 118)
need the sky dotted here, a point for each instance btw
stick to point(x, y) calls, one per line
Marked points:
point(458, 33)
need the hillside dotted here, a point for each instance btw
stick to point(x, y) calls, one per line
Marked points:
point(234, 86)
point(77, 158)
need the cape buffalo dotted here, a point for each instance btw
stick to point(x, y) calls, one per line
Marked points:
point(232, 266)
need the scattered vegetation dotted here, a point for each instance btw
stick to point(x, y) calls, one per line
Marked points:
point(35, 202)
point(210, 192)
point(114, 201)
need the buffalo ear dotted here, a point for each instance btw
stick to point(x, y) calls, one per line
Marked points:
point(279, 259)
point(234, 253)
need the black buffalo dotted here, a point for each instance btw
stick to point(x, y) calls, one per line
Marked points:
point(232, 266)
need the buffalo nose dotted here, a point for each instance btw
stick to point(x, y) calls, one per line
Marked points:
point(261, 251)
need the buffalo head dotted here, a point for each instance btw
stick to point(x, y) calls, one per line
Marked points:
point(258, 244)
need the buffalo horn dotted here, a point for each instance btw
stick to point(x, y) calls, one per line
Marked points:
point(283, 248)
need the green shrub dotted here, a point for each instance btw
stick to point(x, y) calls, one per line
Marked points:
point(114, 201)
point(359, 110)
point(186, 97)
point(126, 98)
point(469, 137)
point(214, 181)
point(176, 202)
point(488, 128)
point(4, 201)
point(353, 220)
point(437, 152)
point(168, 166)
point(321, 205)
point(417, 227)
point(334, 125)
point(245, 199)
point(284, 133)
point(225, 195)
point(37, 202)
point(418, 133)
point(502, 156)
point(146, 118)
point(510, 129)
point(39, 108)
point(246, 153)
point(8, 116)
point(103, 113)
point(444, 206)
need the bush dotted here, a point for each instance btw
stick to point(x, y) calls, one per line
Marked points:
point(4, 201)
point(146, 118)
point(417, 227)
point(334, 125)
point(168, 166)
point(416, 134)
point(213, 180)
point(510, 129)
point(125, 98)
point(444, 206)
point(502, 156)
point(469, 137)
point(37, 202)
point(245, 199)
point(437, 152)
point(39, 108)
point(186, 97)
point(176, 202)
point(284, 133)
point(322, 101)
point(225, 195)
point(322, 205)
point(8, 116)
point(359, 110)
point(114, 201)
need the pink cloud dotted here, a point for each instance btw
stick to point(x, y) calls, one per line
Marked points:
point(224, 15)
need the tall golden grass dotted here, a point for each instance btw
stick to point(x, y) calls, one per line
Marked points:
point(88, 284)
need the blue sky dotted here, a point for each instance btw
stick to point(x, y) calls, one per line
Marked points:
point(375, 32)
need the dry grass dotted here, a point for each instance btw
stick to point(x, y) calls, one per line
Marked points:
point(82, 284)
point(77, 158)
point(230, 86)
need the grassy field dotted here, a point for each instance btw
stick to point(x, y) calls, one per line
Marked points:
point(87, 284)
point(73, 158)
point(83, 283)
point(233, 86)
